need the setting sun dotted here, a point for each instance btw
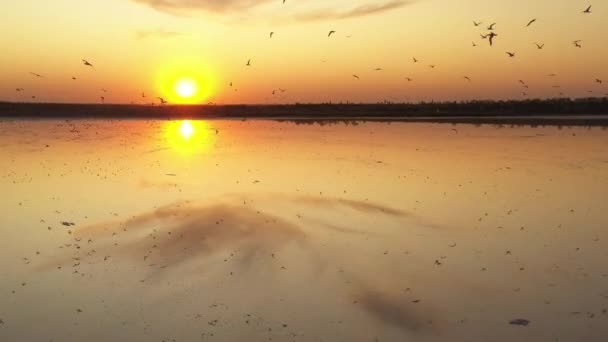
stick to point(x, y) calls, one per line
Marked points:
point(186, 88)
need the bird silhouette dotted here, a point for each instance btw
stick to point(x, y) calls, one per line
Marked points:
point(491, 27)
point(36, 75)
point(577, 43)
point(415, 60)
point(248, 63)
point(271, 34)
point(356, 76)
point(467, 78)
point(73, 78)
point(409, 79)
point(490, 36)
point(531, 22)
point(86, 63)
point(432, 66)
point(378, 69)
point(539, 46)
point(143, 95)
point(474, 45)
point(597, 80)
point(510, 54)
point(19, 90)
point(331, 33)
point(588, 10)
point(162, 100)
point(477, 24)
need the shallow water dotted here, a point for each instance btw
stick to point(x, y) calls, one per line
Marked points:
point(262, 230)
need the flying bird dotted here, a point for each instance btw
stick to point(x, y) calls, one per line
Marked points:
point(477, 24)
point(271, 34)
point(248, 63)
point(415, 60)
point(577, 43)
point(474, 45)
point(36, 75)
point(539, 46)
point(162, 100)
point(491, 27)
point(531, 22)
point(588, 10)
point(378, 69)
point(73, 78)
point(19, 90)
point(467, 78)
point(597, 80)
point(490, 36)
point(510, 54)
point(330, 33)
point(432, 66)
point(409, 79)
point(86, 63)
point(143, 95)
point(356, 76)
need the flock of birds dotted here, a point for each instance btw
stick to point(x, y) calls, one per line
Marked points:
point(490, 36)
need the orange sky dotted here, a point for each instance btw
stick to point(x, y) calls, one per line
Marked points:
point(150, 46)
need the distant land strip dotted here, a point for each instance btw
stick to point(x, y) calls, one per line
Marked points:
point(575, 112)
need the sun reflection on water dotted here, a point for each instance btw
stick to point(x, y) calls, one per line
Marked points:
point(190, 137)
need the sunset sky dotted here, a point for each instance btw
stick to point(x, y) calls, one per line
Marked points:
point(202, 46)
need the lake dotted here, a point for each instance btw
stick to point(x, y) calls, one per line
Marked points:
point(258, 230)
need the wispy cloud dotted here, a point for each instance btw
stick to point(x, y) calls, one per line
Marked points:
point(238, 7)
point(158, 33)
point(183, 6)
point(359, 11)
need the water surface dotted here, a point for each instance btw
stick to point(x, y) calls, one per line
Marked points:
point(263, 230)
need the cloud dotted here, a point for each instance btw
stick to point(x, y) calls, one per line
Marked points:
point(182, 6)
point(158, 33)
point(359, 11)
point(188, 7)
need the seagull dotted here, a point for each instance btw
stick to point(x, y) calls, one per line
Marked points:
point(73, 78)
point(523, 83)
point(491, 27)
point(432, 66)
point(577, 43)
point(588, 10)
point(474, 45)
point(531, 22)
point(467, 78)
point(409, 79)
point(104, 90)
point(489, 36)
point(162, 101)
point(597, 80)
point(378, 69)
point(356, 76)
point(143, 95)
point(86, 63)
point(539, 46)
point(510, 54)
point(36, 75)
point(19, 90)
point(271, 34)
point(248, 63)
point(330, 33)
point(477, 24)
point(415, 60)
point(552, 75)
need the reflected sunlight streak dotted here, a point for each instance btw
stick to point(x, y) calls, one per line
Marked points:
point(189, 137)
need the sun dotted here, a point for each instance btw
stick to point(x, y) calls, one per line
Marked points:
point(186, 88)
point(185, 80)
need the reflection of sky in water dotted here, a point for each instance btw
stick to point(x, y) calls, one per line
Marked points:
point(231, 230)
